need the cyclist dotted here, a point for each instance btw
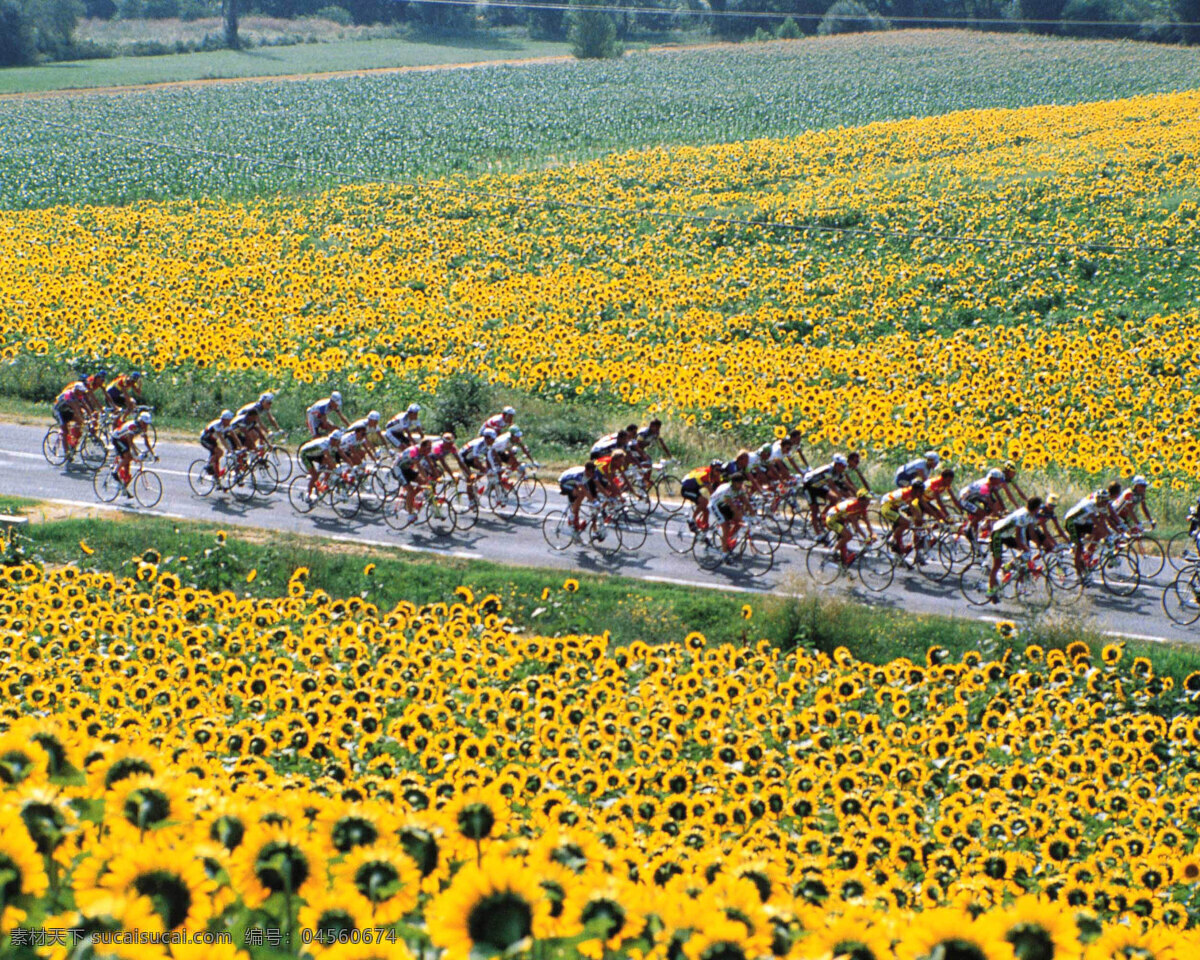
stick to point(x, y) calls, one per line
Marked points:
point(918, 469)
point(476, 453)
point(414, 467)
point(610, 468)
point(825, 485)
point(610, 442)
point(441, 448)
point(404, 429)
point(796, 436)
point(320, 454)
point(124, 441)
point(125, 392)
point(1016, 496)
point(70, 410)
point(1087, 522)
point(650, 436)
point(1013, 530)
point(243, 429)
point(847, 517)
point(367, 430)
point(502, 449)
point(1125, 506)
point(980, 499)
point(95, 387)
point(318, 414)
point(262, 407)
point(727, 507)
point(582, 483)
point(936, 489)
point(500, 422)
point(355, 444)
point(903, 509)
point(1045, 518)
point(772, 456)
point(215, 435)
point(693, 486)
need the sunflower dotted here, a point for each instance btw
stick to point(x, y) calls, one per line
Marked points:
point(946, 933)
point(277, 858)
point(22, 874)
point(173, 882)
point(329, 914)
point(608, 910)
point(489, 907)
point(474, 817)
point(854, 936)
point(720, 939)
point(1036, 930)
point(382, 883)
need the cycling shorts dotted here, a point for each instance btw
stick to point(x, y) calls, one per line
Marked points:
point(1077, 530)
point(726, 510)
point(837, 526)
point(976, 505)
point(891, 514)
point(690, 490)
point(409, 473)
point(999, 543)
point(568, 489)
point(63, 414)
point(116, 396)
point(121, 446)
point(209, 443)
point(816, 492)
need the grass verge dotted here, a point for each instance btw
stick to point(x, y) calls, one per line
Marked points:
point(546, 602)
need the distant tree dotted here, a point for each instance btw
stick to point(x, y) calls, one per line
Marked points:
point(1046, 13)
point(789, 30)
point(17, 44)
point(1188, 12)
point(100, 9)
point(592, 33)
point(548, 24)
point(850, 16)
point(53, 24)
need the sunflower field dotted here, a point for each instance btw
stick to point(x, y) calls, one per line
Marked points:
point(196, 774)
point(1010, 283)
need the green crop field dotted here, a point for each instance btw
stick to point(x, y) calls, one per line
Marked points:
point(407, 125)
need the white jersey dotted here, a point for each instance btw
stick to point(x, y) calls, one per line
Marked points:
point(503, 442)
point(724, 492)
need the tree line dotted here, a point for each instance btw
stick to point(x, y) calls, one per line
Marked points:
point(35, 30)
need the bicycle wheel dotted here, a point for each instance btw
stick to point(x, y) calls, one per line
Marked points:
point(666, 490)
point(53, 449)
point(604, 537)
point(758, 551)
point(396, 515)
point(801, 531)
point(1151, 556)
point(1063, 576)
point(973, 584)
point(373, 493)
point(282, 461)
point(147, 488)
point(1030, 589)
point(298, 494)
point(707, 551)
point(1182, 551)
point(955, 551)
point(344, 499)
point(1181, 597)
point(502, 502)
point(200, 478)
point(824, 563)
point(633, 530)
point(1119, 574)
point(266, 477)
point(642, 500)
point(557, 530)
point(531, 494)
point(679, 531)
point(242, 484)
point(107, 486)
point(439, 514)
point(91, 452)
point(466, 509)
point(876, 567)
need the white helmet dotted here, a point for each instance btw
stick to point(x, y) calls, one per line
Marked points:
point(144, 417)
point(414, 408)
point(839, 460)
point(932, 457)
point(266, 397)
point(336, 436)
point(515, 431)
point(226, 414)
point(1138, 481)
point(995, 474)
point(335, 398)
point(373, 416)
point(489, 434)
point(510, 411)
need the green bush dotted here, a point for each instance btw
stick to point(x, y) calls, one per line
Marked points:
point(462, 403)
point(850, 16)
point(789, 30)
point(339, 15)
point(162, 9)
point(17, 45)
point(761, 35)
point(592, 33)
point(197, 9)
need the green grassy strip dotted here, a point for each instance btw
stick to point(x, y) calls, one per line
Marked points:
point(542, 601)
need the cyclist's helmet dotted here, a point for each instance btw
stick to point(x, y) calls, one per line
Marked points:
point(267, 397)
point(335, 398)
point(336, 436)
point(918, 485)
point(716, 464)
point(489, 434)
point(373, 416)
point(1102, 495)
point(144, 417)
point(510, 411)
point(737, 478)
point(226, 414)
point(79, 388)
point(414, 408)
point(1010, 467)
point(448, 438)
point(136, 375)
point(839, 460)
point(1138, 481)
point(102, 374)
point(1052, 499)
point(764, 451)
point(995, 474)
point(932, 457)
point(863, 493)
point(516, 432)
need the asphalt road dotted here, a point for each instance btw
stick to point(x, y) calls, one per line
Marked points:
point(25, 472)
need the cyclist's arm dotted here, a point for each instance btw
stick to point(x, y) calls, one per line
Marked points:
point(863, 480)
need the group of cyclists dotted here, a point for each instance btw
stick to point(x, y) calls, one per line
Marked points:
point(837, 494)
